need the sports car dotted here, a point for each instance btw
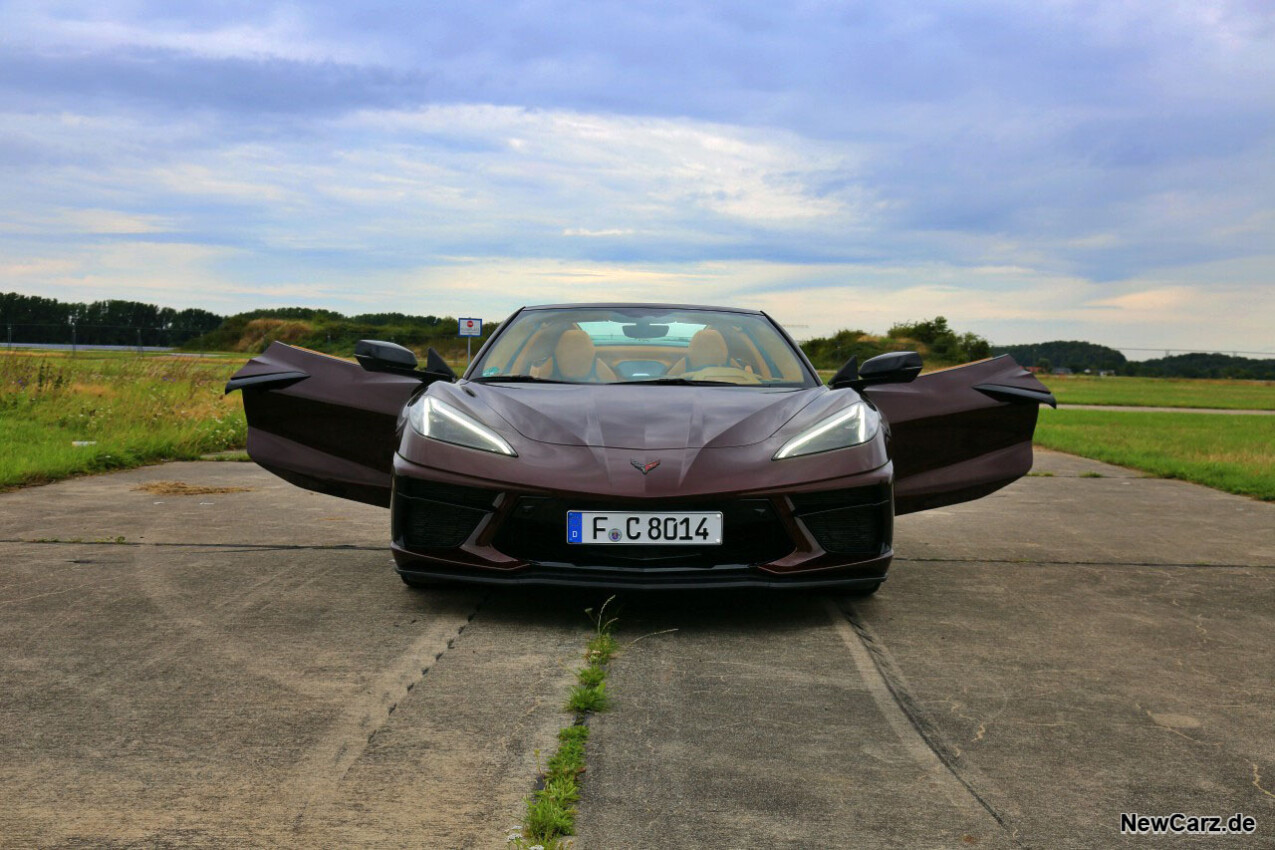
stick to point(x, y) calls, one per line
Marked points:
point(639, 445)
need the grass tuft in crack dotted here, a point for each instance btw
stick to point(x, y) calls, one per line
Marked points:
point(586, 698)
point(551, 810)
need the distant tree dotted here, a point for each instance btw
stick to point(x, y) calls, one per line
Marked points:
point(942, 342)
point(1073, 354)
point(939, 343)
point(1206, 366)
point(974, 347)
point(111, 322)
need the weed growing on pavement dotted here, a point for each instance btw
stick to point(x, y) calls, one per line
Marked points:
point(551, 810)
point(588, 698)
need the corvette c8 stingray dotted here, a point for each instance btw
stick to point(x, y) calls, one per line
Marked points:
point(639, 445)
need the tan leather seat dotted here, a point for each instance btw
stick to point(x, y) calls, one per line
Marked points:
point(707, 348)
point(575, 359)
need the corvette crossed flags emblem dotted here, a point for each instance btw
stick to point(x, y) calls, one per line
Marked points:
point(644, 468)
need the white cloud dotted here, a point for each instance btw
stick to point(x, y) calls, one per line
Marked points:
point(278, 33)
point(647, 165)
point(606, 231)
point(1075, 168)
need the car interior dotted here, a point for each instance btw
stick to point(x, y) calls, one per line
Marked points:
point(583, 348)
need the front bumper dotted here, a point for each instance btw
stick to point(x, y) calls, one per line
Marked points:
point(830, 532)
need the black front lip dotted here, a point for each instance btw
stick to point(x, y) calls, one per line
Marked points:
point(863, 574)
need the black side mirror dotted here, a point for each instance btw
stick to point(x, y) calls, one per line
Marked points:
point(894, 367)
point(375, 355)
point(847, 374)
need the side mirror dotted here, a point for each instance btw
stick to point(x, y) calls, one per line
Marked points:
point(375, 355)
point(894, 367)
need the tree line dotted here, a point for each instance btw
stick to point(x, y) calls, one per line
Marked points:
point(31, 318)
point(1088, 357)
point(330, 331)
point(34, 319)
point(937, 342)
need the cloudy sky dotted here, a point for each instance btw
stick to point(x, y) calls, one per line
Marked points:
point(1097, 170)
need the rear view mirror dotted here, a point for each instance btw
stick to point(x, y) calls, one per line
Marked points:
point(894, 367)
point(645, 330)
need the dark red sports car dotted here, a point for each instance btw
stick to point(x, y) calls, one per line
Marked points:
point(639, 445)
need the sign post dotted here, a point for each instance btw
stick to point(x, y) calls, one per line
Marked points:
point(469, 328)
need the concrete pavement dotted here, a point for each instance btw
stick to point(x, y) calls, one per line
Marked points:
point(245, 669)
point(1065, 650)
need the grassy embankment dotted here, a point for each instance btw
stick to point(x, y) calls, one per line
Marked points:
point(128, 409)
point(1162, 392)
point(1235, 453)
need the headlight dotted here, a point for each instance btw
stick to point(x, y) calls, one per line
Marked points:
point(439, 421)
point(852, 426)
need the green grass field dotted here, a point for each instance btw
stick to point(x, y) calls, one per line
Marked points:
point(1155, 392)
point(130, 409)
point(1235, 453)
point(1162, 392)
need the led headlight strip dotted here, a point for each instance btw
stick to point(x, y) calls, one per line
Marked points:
point(855, 425)
point(440, 421)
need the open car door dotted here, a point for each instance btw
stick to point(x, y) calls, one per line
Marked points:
point(324, 423)
point(958, 434)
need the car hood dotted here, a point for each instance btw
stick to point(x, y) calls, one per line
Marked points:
point(644, 417)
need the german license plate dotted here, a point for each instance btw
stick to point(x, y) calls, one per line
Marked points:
point(702, 528)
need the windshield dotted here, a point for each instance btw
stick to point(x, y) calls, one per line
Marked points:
point(630, 345)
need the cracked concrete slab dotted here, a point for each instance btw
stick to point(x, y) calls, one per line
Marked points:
point(218, 681)
point(1068, 649)
point(755, 725)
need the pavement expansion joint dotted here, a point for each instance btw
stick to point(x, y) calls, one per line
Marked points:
point(927, 735)
point(232, 547)
point(1034, 562)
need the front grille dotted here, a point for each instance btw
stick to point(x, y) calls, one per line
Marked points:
point(428, 515)
point(536, 531)
point(454, 494)
point(847, 522)
point(822, 500)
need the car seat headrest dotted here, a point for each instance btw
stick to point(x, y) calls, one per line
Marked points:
point(574, 355)
point(708, 348)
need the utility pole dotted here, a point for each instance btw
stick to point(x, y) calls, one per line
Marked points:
point(11, 335)
point(139, 340)
point(71, 319)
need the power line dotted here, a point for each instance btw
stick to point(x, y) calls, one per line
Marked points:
point(1195, 350)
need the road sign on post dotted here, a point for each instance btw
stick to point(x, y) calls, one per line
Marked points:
point(469, 328)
